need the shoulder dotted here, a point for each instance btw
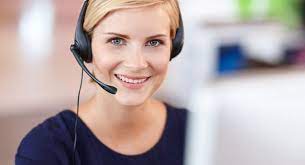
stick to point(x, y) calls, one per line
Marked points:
point(47, 141)
point(176, 129)
point(177, 119)
point(179, 113)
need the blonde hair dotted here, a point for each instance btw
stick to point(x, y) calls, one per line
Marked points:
point(98, 9)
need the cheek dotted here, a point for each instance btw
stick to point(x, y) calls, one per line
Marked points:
point(160, 70)
point(104, 62)
point(160, 62)
point(160, 65)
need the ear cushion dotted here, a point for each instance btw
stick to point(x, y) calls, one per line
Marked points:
point(82, 40)
point(178, 41)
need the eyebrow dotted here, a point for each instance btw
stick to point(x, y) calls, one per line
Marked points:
point(127, 37)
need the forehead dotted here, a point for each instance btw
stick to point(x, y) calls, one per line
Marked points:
point(136, 21)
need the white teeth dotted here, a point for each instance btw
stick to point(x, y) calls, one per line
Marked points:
point(125, 79)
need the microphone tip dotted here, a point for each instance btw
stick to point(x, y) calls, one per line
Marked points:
point(113, 90)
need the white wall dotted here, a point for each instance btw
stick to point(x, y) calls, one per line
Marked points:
point(254, 119)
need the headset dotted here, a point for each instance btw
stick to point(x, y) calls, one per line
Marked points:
point(81, 49)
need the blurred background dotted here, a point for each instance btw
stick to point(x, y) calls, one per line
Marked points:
point(241, 72)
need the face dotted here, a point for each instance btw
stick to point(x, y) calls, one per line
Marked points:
point(131, 51)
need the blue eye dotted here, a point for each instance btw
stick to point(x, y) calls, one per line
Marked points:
point(116, 41)
point(154, 43)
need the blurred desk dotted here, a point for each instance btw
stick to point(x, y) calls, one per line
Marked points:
point(252, 118)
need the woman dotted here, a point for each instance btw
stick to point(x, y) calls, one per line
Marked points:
point(132, 42)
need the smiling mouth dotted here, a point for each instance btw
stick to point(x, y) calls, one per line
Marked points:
point(131, 80)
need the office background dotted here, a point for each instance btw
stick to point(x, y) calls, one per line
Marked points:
point(241, 70)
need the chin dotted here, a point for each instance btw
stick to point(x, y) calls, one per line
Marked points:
point(130, 100)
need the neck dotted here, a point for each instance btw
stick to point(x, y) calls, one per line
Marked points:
point(103, 114)
point(121, 115)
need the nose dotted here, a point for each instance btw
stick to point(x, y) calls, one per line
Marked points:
point(136, 59)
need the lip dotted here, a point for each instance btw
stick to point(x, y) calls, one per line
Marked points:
point(131, 85)
point(133, 77)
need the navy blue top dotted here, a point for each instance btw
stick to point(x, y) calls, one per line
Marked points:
point(51, 143)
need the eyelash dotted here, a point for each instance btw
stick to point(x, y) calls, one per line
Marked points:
point(112, 39)
point(160, 42)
